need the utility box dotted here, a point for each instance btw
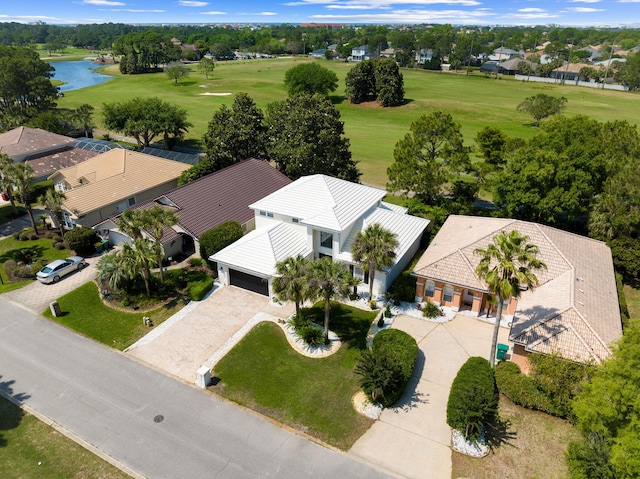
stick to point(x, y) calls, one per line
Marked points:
point(55, 309)
point(203, 377)
point(502, 351)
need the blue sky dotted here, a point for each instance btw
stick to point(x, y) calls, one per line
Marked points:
point(470, 12)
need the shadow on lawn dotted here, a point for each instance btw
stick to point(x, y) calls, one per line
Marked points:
point(498, 434)
point(23, 254)
point(10, 414)
point(351, 327)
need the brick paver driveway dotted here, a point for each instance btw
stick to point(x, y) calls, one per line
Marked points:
point(37, 296)
point(182, 347)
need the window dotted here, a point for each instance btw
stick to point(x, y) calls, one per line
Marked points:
point(295, 220)
point(266, 213)
point(326, 240)
point(429, 289)
point(131, 201)
point(447, 297)
point(263, 213)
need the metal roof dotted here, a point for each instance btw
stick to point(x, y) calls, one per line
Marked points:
point(173, 155)
point(93, 144)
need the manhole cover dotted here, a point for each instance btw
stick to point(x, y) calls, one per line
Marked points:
point(158, 418)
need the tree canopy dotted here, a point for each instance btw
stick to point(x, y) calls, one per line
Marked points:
point(146, 118)
point(428, 156)
point(25, 86)
point(542, 106)
point(306, 137)
point(378, 79)
point(310, 78)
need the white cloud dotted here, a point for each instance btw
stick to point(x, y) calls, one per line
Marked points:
point(134, 10)
point(584, 9)
point(191, 3)
point(266, 14)
point(103, 3)
point(213, 13)
point(530, 16)
point(531, 10)
point(380, 4)
point(32, 18)
point(585, 1)
point(628, 1)
point(412, 16)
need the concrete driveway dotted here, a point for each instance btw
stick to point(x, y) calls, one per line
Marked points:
point(37, 296)
point(413, 439)
point(181, 345)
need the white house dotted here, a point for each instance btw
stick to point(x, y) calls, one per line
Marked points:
point(316, 216)
point(360, 53)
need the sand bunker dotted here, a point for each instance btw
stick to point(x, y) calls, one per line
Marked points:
point(215, 94)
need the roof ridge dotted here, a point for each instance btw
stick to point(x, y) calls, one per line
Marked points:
point(468, 263)
point(572, 293)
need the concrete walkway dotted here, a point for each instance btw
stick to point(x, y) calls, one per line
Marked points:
point(413, 439)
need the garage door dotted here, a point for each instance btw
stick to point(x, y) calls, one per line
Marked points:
point(249, 281)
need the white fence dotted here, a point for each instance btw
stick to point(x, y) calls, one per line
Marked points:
point(558, 81)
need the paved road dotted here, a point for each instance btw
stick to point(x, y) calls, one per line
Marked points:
point(111, 401)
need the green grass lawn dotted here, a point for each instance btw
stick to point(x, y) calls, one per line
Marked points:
point(44, 249)
point(264, 373)
point(29, 449)
point(474, 101)
point(632, 294)
point(84, 312)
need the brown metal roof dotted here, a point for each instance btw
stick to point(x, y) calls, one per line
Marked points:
point(223, 196)
point(22, 140)
point(50, 162)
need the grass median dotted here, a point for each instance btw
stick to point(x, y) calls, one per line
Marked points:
point(312, 395)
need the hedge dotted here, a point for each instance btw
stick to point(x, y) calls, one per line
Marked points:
point(213, 240)
point(473, 399)
point(198, 289)
point(82, 240)
point(522, 390)
point(387, 368)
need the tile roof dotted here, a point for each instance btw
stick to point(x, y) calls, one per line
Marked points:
point(50, 162)
point(114, 176)
point(22, 141)
point(322, 201)
point(221, 196)
point(574, 309)
point(260, 250)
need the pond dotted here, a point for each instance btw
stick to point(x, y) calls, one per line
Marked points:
point(78, 74)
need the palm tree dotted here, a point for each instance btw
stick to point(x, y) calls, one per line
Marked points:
point(21, 177)
point(374, 248)
point(6, 184)
point(52, 201)
point(139, 257)
point(328, 280)
point(111, 272)
point(82, 114)
point(154, 220)
point(506, 266)
point(131, 223)
point(291, 283)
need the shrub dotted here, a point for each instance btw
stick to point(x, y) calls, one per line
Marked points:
point(404, 287)
point(301, 319)
point(32, 236)
point(25, 255)
point(312, 335)
point(473, 399)
point(82, 240)
point(59, 245)
point(521, 389)
point(50, 234)
point(198, 289)
point(560, 380)
point(16, 235)
point(195, 262)
point(387, 368)
point(24, 236)
point(56, 238)
point(215, 239)
point(430, 310)
point(23, 272)
point(9, 267)
point(590, 458)
point(40, 188)
point(373, 304)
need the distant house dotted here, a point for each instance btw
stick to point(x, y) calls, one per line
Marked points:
point(316, 216)
point(46, 152)
point(360, 53)
point(424, 55)
point(224, 195)
point(569, 72)
point(501, 54)
point(388, 53)
point(320, 53)
point(508, 67)
point(573, 311)
point(110, 183)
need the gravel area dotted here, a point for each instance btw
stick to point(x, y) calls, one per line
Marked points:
point(460, 444)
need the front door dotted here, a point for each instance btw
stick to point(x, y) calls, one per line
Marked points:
point(467, 299)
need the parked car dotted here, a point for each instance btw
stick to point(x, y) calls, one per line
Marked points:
point(55, 270)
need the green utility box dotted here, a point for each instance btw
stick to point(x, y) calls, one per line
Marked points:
point(502, 351)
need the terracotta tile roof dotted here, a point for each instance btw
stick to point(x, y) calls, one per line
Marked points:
point(221, 196)
point(575, 306)
point(114, 176)
point(22, 140)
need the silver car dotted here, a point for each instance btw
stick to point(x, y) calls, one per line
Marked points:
point(55, 270)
